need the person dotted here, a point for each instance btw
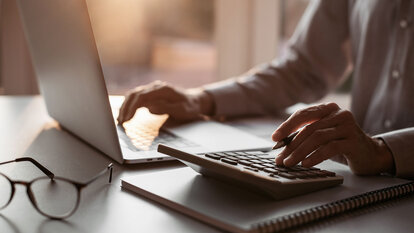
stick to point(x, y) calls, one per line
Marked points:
point(372, 40)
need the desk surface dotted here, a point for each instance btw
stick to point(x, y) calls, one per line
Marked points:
point(26, 129)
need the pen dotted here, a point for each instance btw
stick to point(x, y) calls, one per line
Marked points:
point(285, 141)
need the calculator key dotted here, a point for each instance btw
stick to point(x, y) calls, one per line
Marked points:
point(309, 174)
point(298, 168)
point(328, 173)
point(243, 157)
point(220, 154)
point(230, 154)
point(256, 161)
point(251, 169)
point(258, 166)
point(213, 156)
point(229, 161)
point(234, 158)
point(287, 175)
point(245, 162)
point(320, 173)
point(300, 175)
point(314, 169)
point(282, 169)
point(270, 170)
point(241, 153)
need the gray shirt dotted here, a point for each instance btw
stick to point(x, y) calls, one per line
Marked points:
point(372, 39)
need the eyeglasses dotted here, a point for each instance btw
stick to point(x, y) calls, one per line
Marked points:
point(53, 197)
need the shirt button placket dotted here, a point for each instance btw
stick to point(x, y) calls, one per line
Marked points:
point(387, 124)
point(395, 74)
point(403, 23)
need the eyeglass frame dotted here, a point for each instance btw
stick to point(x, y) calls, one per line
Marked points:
point(78, 185)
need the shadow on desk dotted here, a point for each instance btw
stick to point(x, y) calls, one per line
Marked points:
point(67, 156)
point(70, 157)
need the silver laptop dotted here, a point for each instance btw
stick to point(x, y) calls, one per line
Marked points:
point(70, 77)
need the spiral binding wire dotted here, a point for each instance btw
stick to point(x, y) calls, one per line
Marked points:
point(334, 208)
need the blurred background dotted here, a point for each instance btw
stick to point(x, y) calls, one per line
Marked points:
point(184, 42)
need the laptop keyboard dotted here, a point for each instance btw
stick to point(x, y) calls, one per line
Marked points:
point(149, 140)
point(264, 164)
point(144, 132)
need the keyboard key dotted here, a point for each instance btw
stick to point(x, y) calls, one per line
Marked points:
point(229, 161)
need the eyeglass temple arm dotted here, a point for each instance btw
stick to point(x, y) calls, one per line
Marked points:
point(37, 164)
point(109, 167)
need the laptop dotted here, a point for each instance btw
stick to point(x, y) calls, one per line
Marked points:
point(69, 73)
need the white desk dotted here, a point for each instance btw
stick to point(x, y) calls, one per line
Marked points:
point(25, 129)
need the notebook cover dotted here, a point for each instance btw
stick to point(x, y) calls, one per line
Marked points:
point(235, 209)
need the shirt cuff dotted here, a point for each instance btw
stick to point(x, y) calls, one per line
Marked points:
point(400, 142)
point(229, 98)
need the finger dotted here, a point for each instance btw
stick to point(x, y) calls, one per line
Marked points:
point(143, 98)
point(158, 101)
point(165, 92)
point(303, 117)
point(177, 111)
point(317, 139)
point(330, 121)
point(129, 106)
point(124, 110)
point(326, 151)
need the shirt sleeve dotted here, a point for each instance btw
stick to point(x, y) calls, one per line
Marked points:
point(400, 142)
point(317, 59)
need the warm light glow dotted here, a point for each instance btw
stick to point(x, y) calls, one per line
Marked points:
point(144, 128)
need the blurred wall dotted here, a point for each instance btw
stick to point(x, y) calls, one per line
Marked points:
point(16, 70)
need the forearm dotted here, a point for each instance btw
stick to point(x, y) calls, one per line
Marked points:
point(312, 67)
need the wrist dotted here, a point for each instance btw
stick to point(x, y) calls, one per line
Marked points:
point(206, 101)
point(385, 157)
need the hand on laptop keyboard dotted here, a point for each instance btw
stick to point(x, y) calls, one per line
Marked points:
point(161, 98)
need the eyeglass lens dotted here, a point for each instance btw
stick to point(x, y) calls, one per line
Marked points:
point(6, 190)
point(56, 197)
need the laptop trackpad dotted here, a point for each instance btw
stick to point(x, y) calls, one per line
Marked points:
point(219, 137)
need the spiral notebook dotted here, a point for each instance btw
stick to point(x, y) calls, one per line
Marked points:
point(237, 210)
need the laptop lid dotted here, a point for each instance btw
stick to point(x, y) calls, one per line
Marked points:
point(69, 73)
